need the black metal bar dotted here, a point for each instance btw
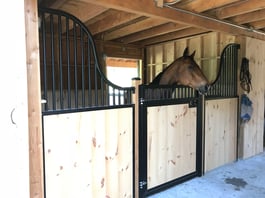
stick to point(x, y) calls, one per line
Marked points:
point(60, 61)
point(68, 64)
point(44, 77)
point(90, 103)
point(82, 67)
point(74, 47)
point(75, 65)
point(142, 144)
point(119, 97)
point(102, 91)
point(96, 85)
point(225, 84)
point(52, 63)
point(113, 96)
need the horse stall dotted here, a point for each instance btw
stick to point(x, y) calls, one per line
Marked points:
point(103, 140)
point(185, 134)
point(87, 120)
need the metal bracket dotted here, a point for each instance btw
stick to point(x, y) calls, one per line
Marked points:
point(141, 101)
point(142, 184)
point(193, 103)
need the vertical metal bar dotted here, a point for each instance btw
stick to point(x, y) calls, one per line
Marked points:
point(108, 95)
point(102, 91)
point(82, 65)
point(226, 71)
point(229, 71)
point(119, 96)
point(89, 73)
point(68, 64)
point(142, 145)
point(75, 65)
point(113, 96)
point(60, 61)
point(235, 71)
point(43, 32)
point(52, 63)
point(233, 74)
point(96, 80)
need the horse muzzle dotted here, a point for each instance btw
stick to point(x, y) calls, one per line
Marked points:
point(203, 89)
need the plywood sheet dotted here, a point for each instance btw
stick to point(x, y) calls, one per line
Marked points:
point(252, 132)
point(171, 143)
point(220, 132)
point(89, 154)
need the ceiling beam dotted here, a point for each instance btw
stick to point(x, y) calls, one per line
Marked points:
point(149, 9)
point(249, 17)
point(201, 6)
point(258, 24)
point(152, 32)
point(82, 10)
point(240, 8)
point(111, 20)
point(173, 36)
point(139, 26)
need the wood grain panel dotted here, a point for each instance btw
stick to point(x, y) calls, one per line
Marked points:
point(171, 143)
point(252, 132)
point(89, 154)
point(220, 132)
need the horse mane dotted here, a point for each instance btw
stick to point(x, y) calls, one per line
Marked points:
point(156, 80)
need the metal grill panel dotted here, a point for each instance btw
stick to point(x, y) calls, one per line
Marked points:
point(71, 77)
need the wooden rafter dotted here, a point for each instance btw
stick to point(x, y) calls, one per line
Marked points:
point(177, 16)
point(112, 19)
point(242, 7)
point(153, 32)
point(249, 17)
point(142, 25)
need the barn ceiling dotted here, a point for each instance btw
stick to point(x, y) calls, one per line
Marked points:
point(147, 22)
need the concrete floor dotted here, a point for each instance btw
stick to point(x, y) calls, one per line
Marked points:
point(244, 179)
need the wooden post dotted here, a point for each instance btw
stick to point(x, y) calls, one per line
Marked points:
point(34, 100)
point(135, 83)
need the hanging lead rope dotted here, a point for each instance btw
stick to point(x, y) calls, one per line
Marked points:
point(245, 76)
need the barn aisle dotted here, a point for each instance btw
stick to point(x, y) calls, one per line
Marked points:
point(244, 179)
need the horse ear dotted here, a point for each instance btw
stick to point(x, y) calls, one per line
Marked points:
point(186, 52)
point(193, 54)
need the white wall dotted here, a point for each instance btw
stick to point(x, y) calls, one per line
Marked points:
point(14, 166)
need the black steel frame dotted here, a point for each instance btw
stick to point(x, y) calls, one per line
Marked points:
point(53, 31)
point(190, 97)
point(225, 86)
point(71, 76)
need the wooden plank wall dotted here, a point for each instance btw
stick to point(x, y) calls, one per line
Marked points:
point(220, 132)
point(89, 154)
point(208, 50)
point(171, 132)
point(252, 133)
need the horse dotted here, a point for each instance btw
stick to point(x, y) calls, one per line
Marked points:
point(183, 71)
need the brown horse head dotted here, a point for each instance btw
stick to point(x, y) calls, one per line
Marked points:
point(184, 71)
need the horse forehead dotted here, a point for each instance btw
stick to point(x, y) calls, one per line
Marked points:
point(187, 62)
